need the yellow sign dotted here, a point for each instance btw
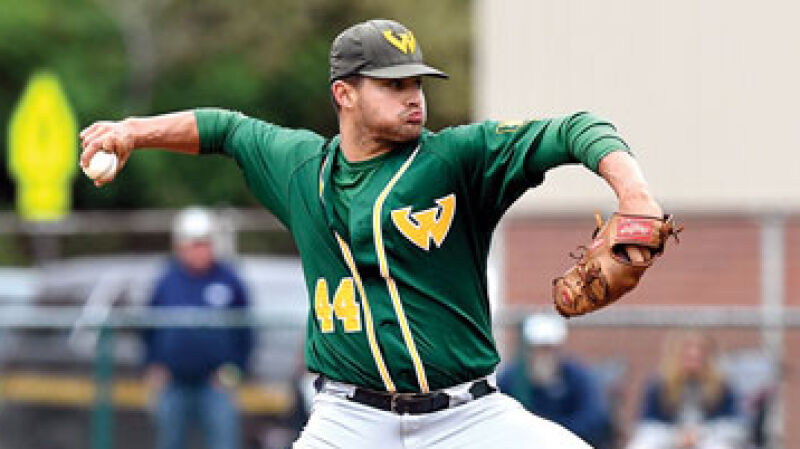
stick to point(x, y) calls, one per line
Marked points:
point(42, 138)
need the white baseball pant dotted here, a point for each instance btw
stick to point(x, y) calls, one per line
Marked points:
point(492, 421)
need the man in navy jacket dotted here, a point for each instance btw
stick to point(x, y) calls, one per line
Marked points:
point(192, 372)
point(555, 387)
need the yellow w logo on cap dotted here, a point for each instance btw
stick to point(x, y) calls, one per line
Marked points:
point(404, 42)
point(433, 223)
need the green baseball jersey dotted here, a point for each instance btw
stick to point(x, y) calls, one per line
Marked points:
point(395, 255)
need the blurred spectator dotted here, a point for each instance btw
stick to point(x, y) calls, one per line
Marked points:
point(550, 384)
point(192, 372)
point(689, 405)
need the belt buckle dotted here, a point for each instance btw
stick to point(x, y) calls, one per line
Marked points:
point(394, 405)
point(399, 402)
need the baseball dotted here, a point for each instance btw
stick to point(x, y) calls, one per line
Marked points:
point(102, 167)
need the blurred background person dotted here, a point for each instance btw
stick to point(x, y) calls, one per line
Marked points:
point(554, 386)
point(192, 372)
point(689, 404)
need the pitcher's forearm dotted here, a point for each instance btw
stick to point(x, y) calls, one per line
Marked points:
point(622, 173)
point(175, 132)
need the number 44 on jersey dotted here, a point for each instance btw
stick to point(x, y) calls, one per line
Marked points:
point(344, 306)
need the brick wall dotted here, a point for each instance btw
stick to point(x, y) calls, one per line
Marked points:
point(716, 263)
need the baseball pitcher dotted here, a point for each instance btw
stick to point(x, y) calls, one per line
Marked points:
point(393, 224)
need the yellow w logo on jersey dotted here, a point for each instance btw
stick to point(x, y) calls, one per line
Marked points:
point(434, 223)
point(404, 42)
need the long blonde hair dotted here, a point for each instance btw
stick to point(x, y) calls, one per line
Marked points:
point(675, 378)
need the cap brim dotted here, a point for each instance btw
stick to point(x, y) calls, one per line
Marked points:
point(404, 71)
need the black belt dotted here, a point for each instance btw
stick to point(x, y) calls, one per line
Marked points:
point(408, 403)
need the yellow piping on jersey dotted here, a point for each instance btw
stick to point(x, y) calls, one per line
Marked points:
point(321, 180)
point(384, 268)
point(373, 343)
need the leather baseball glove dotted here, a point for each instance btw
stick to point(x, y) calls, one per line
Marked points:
point(604, 272)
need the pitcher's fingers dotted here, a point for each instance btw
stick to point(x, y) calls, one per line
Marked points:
point(88, 153)
point(111, 144)
point(88, 130)
point(98, 129)
point(94, 134)
point(104, 181)
point(85, 131)
point(637, 254)
point(98, 144)
point(101, 144)
point(95, 125)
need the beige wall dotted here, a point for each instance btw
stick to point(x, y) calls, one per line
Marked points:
point(706, 92)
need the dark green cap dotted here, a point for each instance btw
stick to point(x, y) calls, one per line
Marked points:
point(378, 48)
